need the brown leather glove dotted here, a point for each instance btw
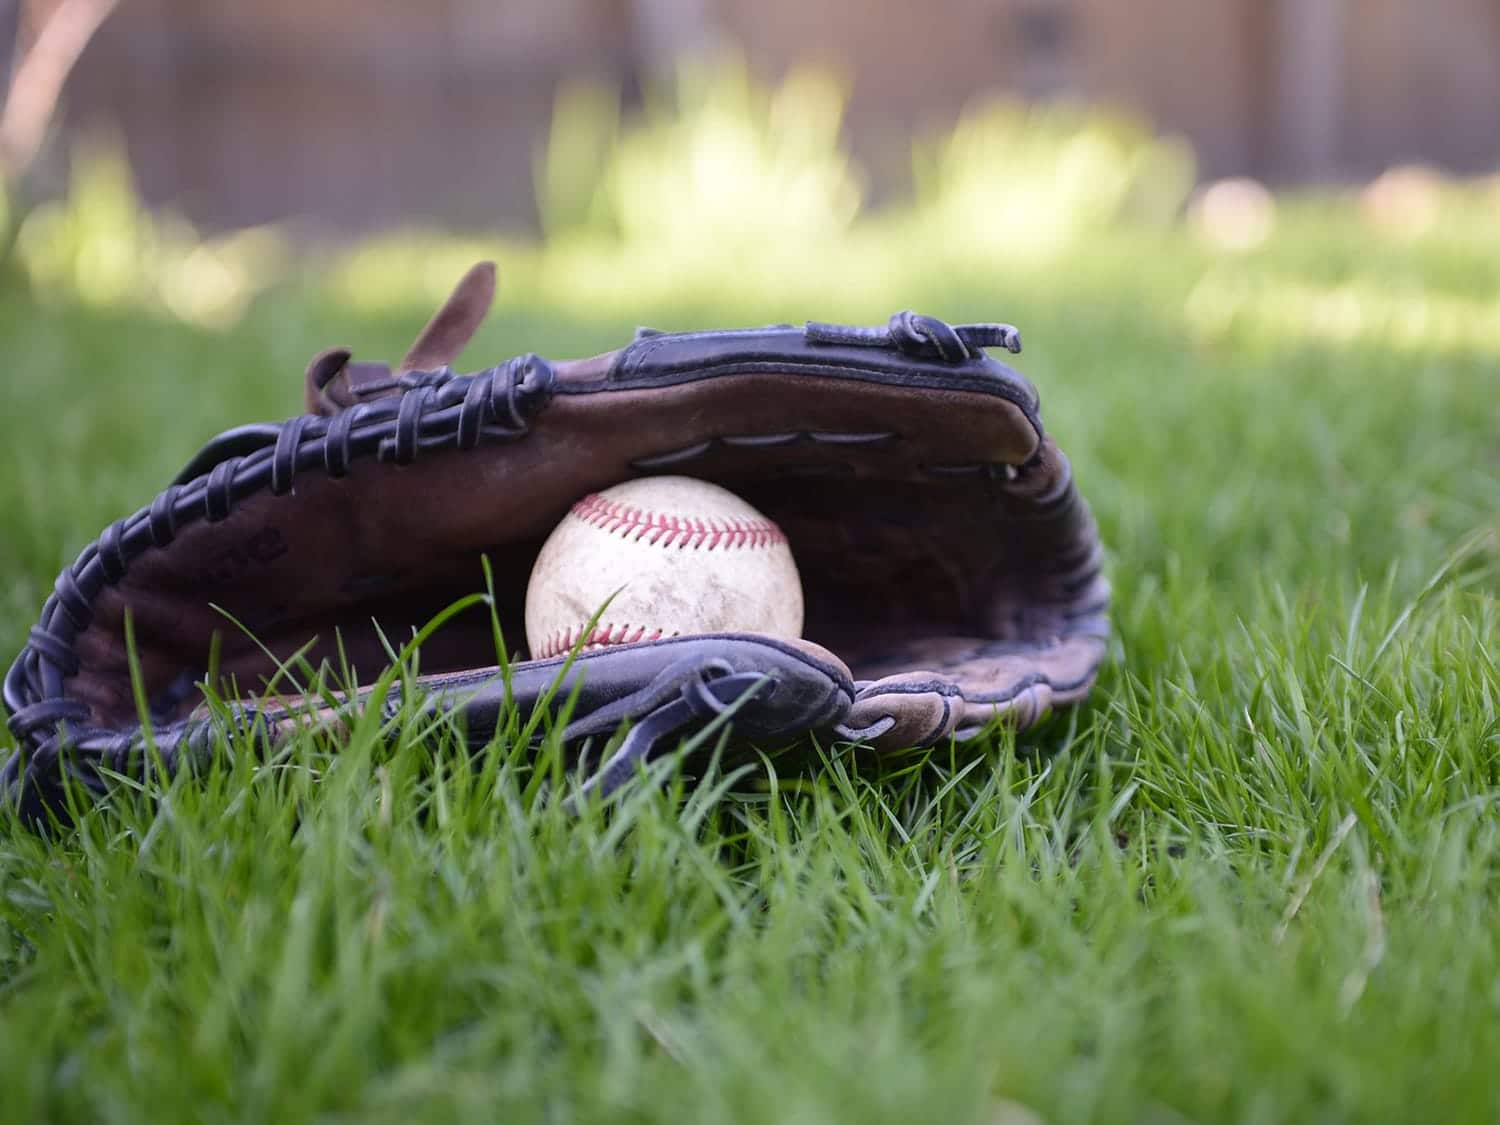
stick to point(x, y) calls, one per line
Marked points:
point(951, 571)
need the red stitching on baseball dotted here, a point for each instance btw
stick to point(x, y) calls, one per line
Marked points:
point(663, 530)
point(602, 635)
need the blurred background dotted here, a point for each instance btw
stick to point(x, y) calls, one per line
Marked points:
point(1326, 168)
point(364, 113)
point(183, 156)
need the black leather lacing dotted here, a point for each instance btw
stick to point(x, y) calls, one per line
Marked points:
point(435, 409)
point(924, 336)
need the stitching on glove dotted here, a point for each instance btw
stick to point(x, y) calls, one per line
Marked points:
point(764, 441)
point(43, 718)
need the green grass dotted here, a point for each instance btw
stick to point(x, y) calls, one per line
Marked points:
point(1255, 879)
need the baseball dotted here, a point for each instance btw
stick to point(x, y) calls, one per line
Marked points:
point(672, 556)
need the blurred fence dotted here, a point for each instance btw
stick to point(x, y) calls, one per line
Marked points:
point(366, 112)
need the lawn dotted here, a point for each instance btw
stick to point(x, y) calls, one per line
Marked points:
point(1255, 878)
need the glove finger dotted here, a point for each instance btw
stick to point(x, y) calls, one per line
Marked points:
point(971, 684)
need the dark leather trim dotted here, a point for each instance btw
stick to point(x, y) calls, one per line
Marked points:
point(668, 359)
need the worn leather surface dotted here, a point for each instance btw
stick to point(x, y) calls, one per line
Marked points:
point(951, 568)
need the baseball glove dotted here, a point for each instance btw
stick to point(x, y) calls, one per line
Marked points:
point(951, 570)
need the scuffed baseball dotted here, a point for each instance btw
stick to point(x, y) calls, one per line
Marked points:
point(680, 556)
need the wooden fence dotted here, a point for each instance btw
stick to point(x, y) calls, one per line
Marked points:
point(367, 112)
